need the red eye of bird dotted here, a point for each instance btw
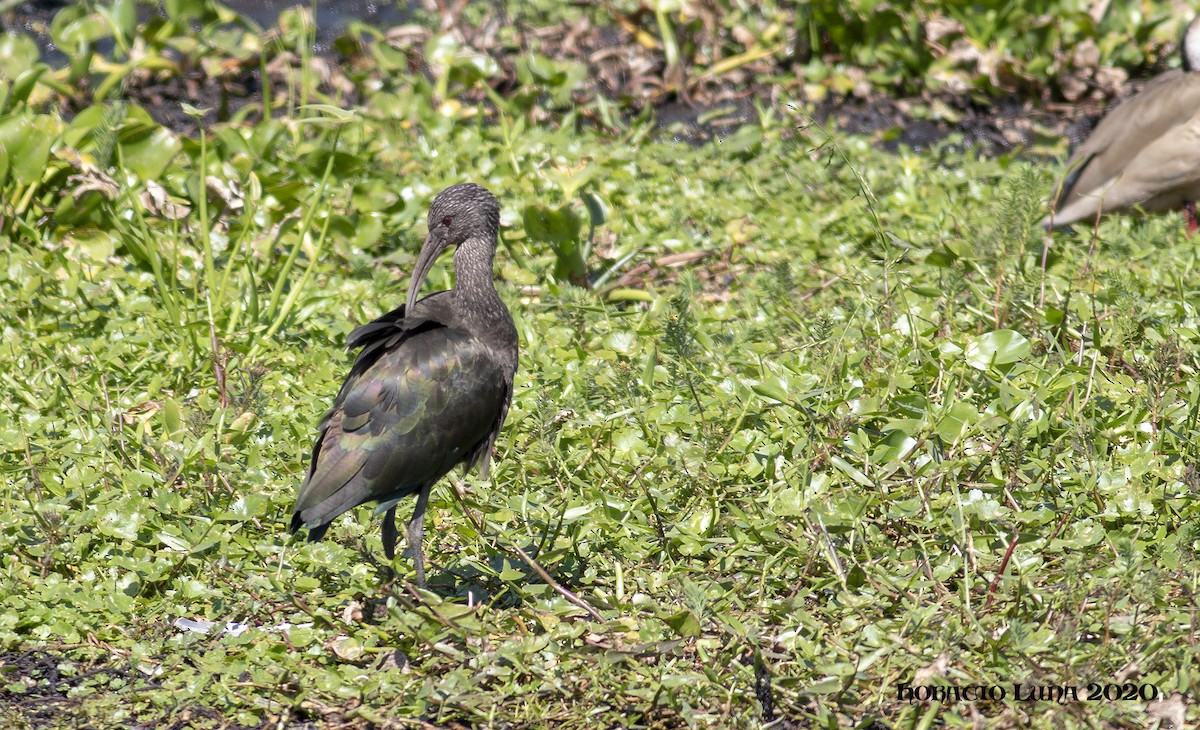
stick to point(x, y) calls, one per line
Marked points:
point(446, 221)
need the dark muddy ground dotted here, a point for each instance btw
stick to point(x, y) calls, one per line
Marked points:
point(39, 688)
point(619, 69)
point(42, 688)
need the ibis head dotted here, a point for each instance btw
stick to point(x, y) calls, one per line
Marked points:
point(461, 213)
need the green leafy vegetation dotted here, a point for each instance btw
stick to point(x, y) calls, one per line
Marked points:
point(803, 423)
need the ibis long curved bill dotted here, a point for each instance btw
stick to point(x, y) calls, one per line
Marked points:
point(435, 244)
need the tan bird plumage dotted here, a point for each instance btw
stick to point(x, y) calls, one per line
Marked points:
point(1145, 153)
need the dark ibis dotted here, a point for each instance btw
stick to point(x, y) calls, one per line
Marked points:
point(1145, 153)
point(429, 389)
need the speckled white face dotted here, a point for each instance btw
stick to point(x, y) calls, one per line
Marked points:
point(1191, 45)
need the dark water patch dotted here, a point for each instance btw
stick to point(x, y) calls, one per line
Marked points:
point(698, 124)
point(963, 124)
point(33, 19)
point(332, 17)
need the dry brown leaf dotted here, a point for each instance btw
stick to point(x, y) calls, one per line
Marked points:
point(1171, 711)
point(156, 202)
point(1086, 54)
point(352, 613)
point(94, 181)
point(939, 27)
point(937, 668)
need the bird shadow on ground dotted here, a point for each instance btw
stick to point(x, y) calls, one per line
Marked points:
point(475, 585)
point(466, 581)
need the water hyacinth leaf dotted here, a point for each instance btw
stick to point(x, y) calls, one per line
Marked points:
point(897, 445)
point(789, 502)
point(347, 648)
point(1054, 316)
point(184, 11)
point(369, 230)
point(173, 542)
point(80, 211)
point(148, 149)
point(534, 68)
point(774, 388)
point(941, 257)
point(649, 369)
point(828, 685)
point(440, 51)
point(27, 140)
point(574, 514)
point(956, 421)
point(510, 573)
point(983, 506)
point(88, 121)
point(94, 245)
point(172, 416)
point(477, 66)
point(22, 89)
point(388, 58)
point(849, 470)
point(230, 142)
point(623, 342)
point(18, 52)
point(700, 521)
point(746, 141)
point(1001, 347)
point(125, 522)
point(559, 227)
point(685, 624)
point(551, 225)
point(373, 196)
point(247, 506)
point(123, 16)
point(75, 28)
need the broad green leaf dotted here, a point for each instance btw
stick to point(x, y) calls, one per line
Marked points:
point(147, 150)
point(18, 53)
point(1001, 347)
point(685, 624)
point(552, 225)
point(27, 139)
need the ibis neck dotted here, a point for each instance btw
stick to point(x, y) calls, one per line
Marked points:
point(479, 307)
point(473, 270)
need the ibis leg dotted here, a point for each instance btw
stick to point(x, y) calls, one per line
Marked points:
point(1189, 211)
point(389, 534)
point(416, 533)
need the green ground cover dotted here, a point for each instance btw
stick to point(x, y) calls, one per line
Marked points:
point(818, 428)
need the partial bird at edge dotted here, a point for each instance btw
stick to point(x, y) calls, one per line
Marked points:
point(1144, 154)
